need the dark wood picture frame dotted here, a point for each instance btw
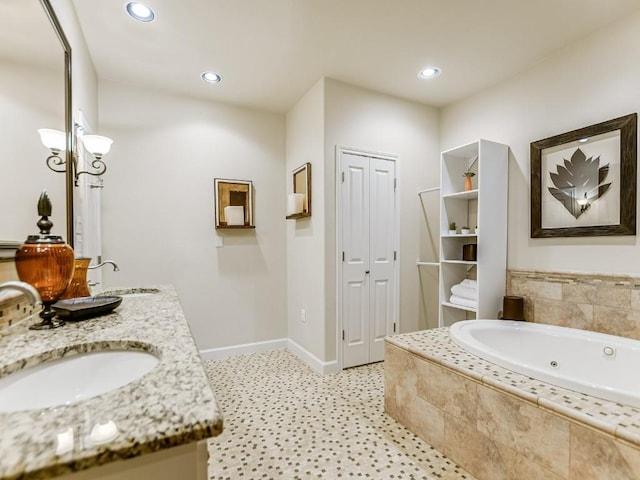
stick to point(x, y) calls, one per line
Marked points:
point(235, 194)
point(627, 126)
point(302, 184)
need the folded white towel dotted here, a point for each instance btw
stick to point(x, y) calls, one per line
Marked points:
point(469, 283)
point(465, 292)
point(464, 302)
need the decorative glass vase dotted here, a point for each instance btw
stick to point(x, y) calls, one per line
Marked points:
point(46, 262)
point(78, 286)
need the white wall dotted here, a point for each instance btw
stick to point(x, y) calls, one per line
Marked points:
point(589, 82)
point(158, 209)
point(305, 236)
point(84, 80)
point(365, 119)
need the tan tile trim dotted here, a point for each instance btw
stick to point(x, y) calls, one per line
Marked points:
point(14, 307)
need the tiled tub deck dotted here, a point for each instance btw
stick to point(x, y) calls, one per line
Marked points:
point(498, 424)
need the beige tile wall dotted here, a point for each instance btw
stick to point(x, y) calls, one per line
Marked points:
point(7, 270)
point(495, 435)
point(14, 305)
point(601, 303)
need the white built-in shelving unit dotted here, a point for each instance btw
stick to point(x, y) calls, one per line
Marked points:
point(484, 207)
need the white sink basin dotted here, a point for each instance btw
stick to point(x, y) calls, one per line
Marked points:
point(72, 379)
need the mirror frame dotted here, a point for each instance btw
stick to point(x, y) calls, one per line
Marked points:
point(68, 118)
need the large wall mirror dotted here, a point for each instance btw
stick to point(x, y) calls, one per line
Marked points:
point(35, 92)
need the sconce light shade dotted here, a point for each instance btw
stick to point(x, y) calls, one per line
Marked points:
point(53, 139)
point(97, 145)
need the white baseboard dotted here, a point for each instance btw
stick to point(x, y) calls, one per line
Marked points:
point(278, 344)
point(245, 349)
point(311, 360)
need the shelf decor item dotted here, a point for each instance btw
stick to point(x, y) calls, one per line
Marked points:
point(468, 174)
point(46, 262)
point(583, 182)
point(465, 231)
point(452, 228)
point(468, 184)
point(470, 252)
point(233, 203)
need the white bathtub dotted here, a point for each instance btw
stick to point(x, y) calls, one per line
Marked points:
point(593, 363)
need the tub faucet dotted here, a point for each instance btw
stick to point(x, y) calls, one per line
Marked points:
point(24, 287)
point(115, 266)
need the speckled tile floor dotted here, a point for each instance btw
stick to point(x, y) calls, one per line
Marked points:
point(283, 420)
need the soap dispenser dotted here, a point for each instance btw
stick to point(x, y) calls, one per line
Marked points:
point(46, 262)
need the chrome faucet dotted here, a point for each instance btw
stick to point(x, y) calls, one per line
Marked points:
point(24, 287)
point(115, 266)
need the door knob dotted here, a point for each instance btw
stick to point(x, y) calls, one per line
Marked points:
point(366, 272)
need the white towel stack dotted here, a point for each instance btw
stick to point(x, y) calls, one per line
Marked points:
point(465, 294)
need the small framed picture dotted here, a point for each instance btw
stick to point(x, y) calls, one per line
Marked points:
point(233, 203)
point(583, 182)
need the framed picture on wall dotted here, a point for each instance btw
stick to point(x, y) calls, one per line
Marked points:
point(233, 203)
point(583, 182)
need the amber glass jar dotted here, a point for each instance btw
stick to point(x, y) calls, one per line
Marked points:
point(48, 266)
point(78, 286)
point(46, 262)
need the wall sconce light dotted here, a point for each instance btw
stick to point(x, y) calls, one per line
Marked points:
point(96, 145)
point(583, 202)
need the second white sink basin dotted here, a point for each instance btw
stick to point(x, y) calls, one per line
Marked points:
point(72, 379)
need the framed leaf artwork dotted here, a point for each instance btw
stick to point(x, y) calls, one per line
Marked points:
point(583, 182)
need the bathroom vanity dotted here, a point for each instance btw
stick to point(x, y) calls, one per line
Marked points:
point(153, 427)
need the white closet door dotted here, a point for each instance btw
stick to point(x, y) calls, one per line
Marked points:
point(368, 210)
point(381, 247)
point(355, 265)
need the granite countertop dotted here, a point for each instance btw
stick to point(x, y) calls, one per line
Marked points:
point(171, 405)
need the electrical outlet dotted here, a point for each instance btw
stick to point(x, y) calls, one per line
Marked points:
point(303, 315)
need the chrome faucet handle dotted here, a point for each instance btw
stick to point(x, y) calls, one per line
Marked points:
point(24, 287)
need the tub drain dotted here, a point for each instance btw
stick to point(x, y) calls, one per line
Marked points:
point(553, 363)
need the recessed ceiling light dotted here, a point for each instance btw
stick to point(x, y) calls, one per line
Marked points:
point(211, 77)
point(140, 12)
point(584, 140)
point(429, 72)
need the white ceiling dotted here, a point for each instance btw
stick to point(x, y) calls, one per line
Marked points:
point(270, 52)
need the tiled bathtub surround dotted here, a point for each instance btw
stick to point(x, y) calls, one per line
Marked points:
point(601, 303)
point(497, 424)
